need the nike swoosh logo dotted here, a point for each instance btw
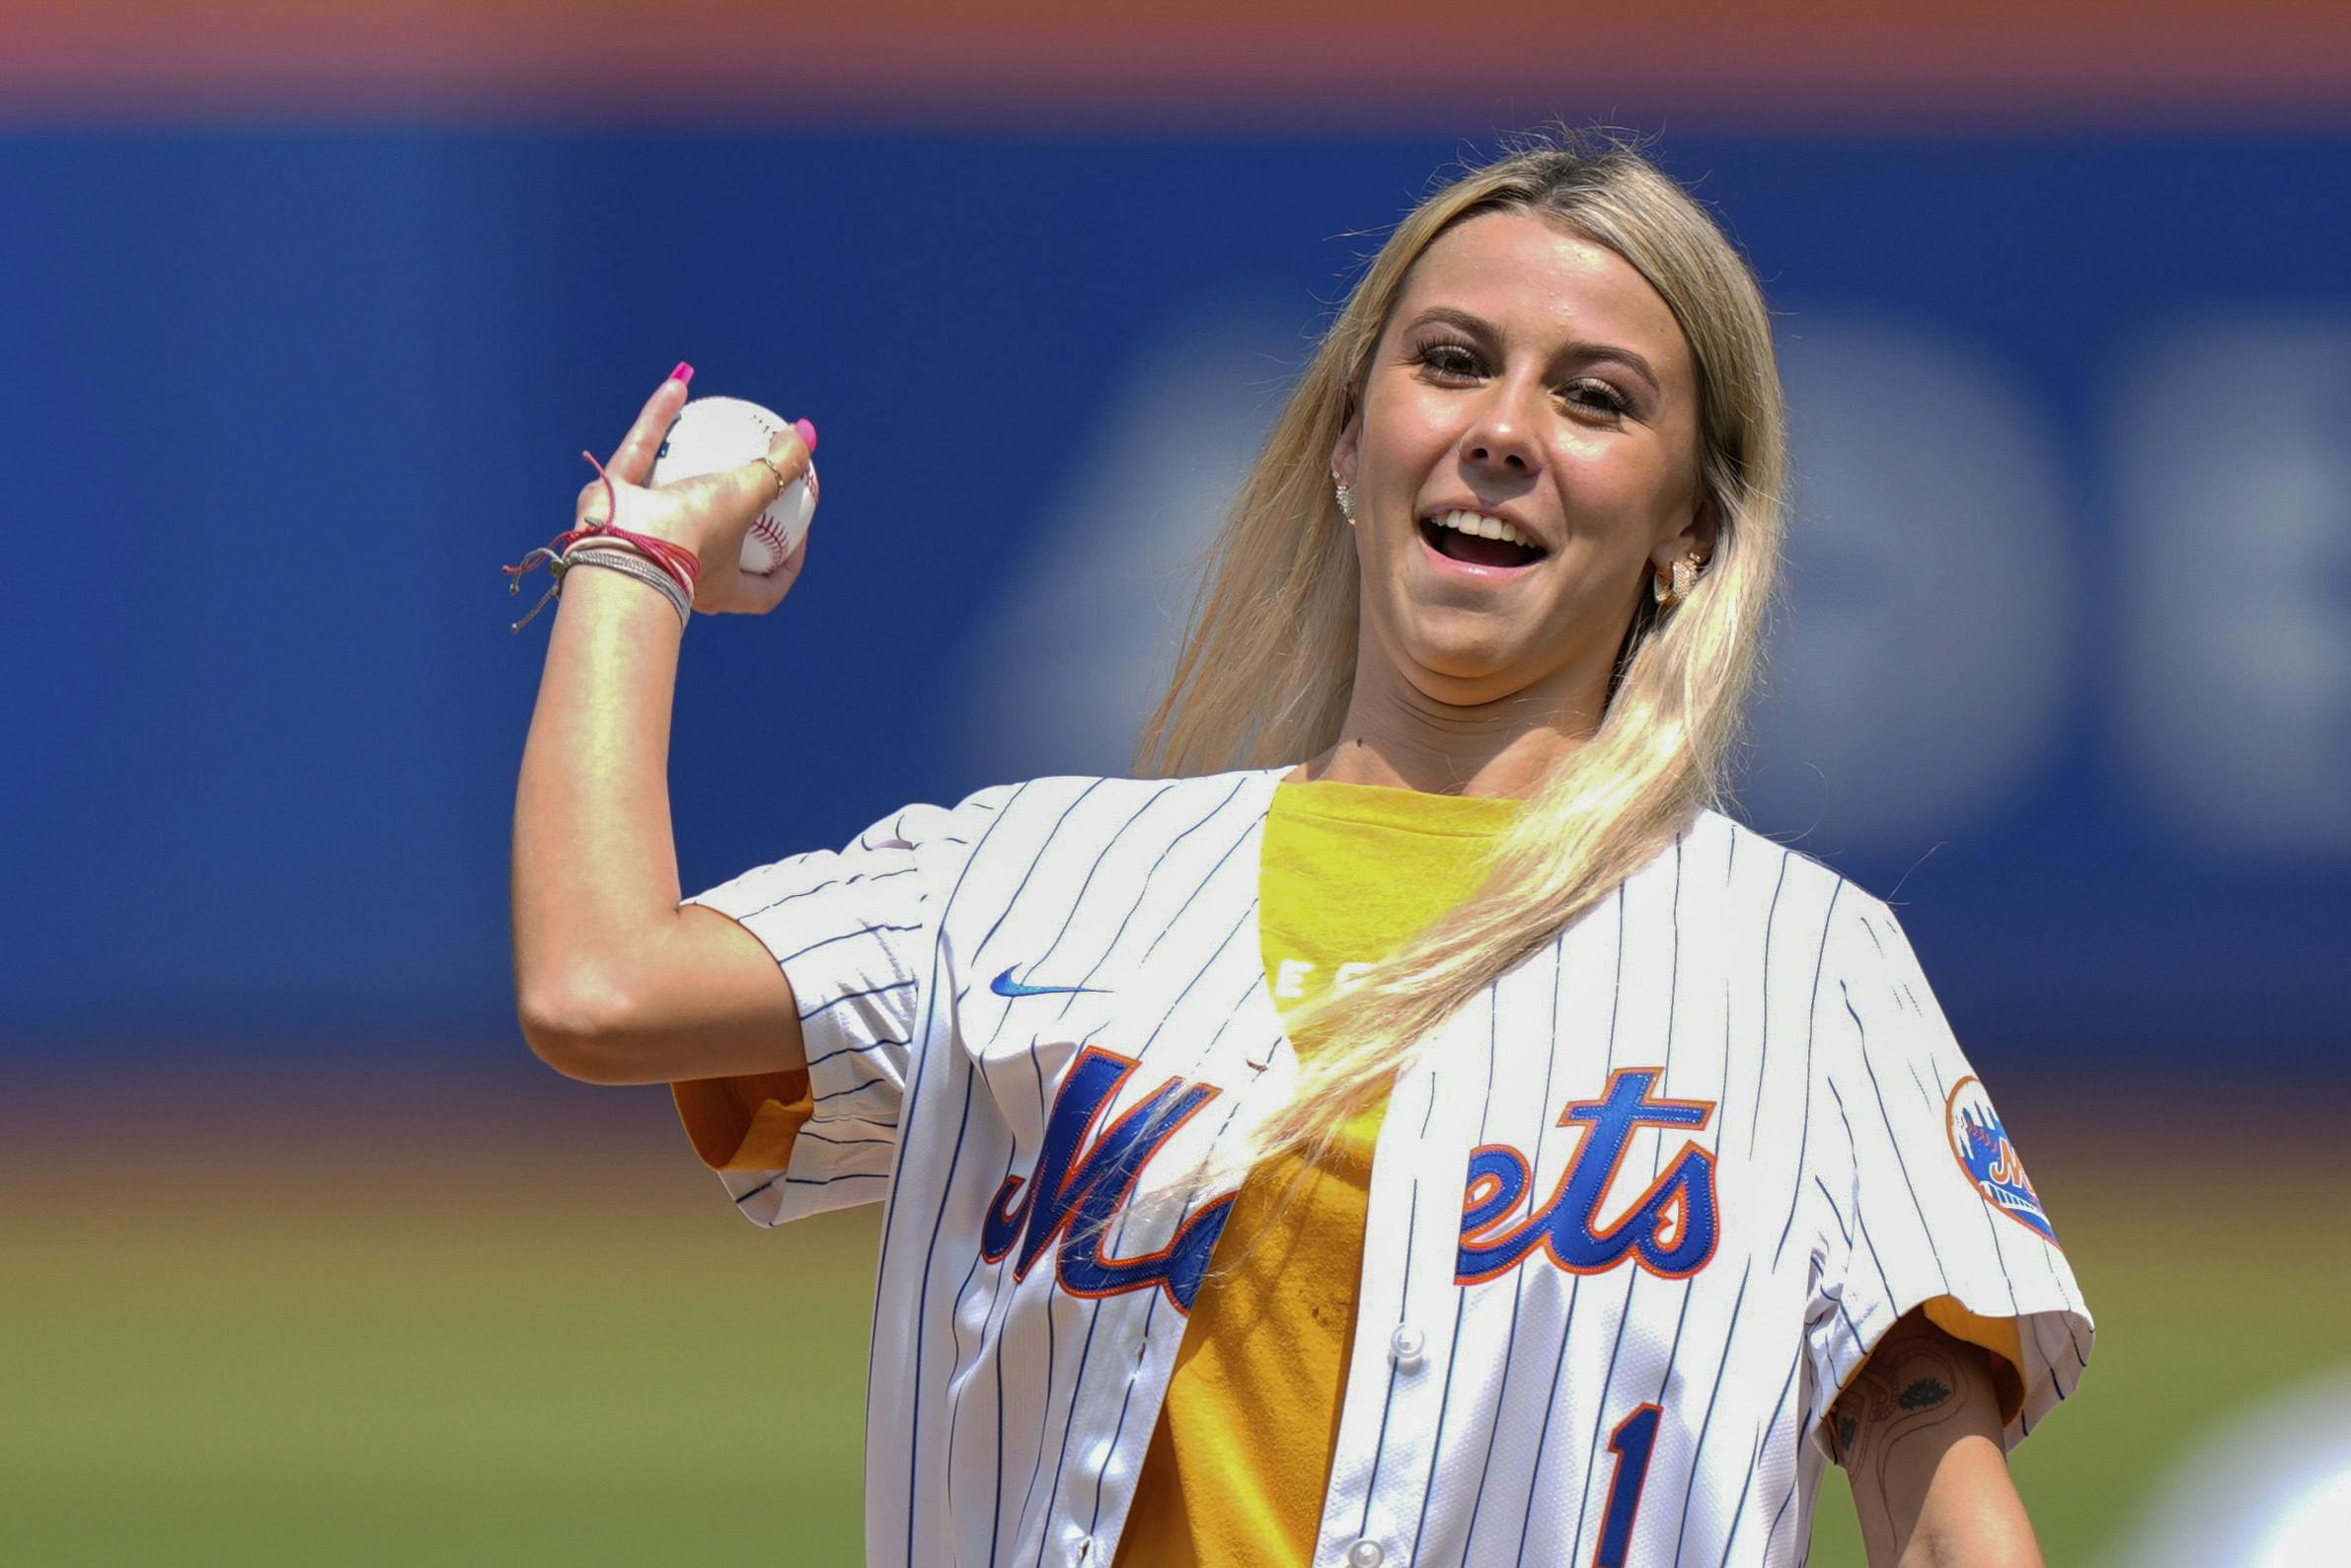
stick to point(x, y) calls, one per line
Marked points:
point(1003, 984)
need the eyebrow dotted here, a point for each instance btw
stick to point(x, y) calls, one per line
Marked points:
point(1480, 326)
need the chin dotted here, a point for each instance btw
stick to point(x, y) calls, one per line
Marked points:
point(1468, 677)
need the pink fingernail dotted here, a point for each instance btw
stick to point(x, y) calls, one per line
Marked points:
point(683, 372)
point(808, 432)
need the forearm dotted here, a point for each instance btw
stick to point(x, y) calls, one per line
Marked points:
point(595, 860)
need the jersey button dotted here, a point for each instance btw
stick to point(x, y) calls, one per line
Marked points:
point(1365, 1554)
point(1407, 1345)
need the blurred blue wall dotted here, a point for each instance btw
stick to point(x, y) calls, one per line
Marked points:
point(2067, 653)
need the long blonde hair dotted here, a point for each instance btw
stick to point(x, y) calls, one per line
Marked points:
point(1267, 667)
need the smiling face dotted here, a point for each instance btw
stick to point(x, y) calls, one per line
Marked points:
point(1532, 386)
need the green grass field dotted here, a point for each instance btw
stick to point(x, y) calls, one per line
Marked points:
point(465, 1345)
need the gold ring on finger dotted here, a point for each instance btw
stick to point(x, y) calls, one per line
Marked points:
point(769, 462)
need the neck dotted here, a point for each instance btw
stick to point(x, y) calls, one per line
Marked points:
point(1398, 737)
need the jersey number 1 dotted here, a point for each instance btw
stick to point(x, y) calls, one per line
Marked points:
point(1632, 1441)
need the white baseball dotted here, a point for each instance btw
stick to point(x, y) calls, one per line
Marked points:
point(712, 434)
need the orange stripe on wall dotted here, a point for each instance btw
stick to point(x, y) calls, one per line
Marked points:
point(1370, 62)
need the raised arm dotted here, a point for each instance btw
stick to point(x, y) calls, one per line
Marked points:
point(1918, 1431)
point(615, 983)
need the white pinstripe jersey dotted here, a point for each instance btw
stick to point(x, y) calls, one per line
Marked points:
point(1635, 1216)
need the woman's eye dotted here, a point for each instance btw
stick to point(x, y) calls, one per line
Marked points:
point(1599, 396)
point(1449, 360)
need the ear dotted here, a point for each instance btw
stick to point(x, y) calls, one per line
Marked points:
point(1696, 537)
point(1342, 454)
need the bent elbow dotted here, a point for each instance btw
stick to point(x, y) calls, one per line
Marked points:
point(579, 1025)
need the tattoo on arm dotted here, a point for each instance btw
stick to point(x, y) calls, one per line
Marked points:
point(1923, 1394)
point(1918, 1430)
point(1903, 1394)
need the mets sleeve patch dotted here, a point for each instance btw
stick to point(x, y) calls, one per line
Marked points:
point(1980, 1145)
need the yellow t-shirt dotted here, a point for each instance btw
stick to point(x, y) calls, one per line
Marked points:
point(1241, 1458)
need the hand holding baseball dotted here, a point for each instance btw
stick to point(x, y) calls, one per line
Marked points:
point(711, 514)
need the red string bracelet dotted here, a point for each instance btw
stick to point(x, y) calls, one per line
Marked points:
point(682, 565)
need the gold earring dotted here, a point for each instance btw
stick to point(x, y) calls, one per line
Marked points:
point(1684, 576)
point(1346, 497)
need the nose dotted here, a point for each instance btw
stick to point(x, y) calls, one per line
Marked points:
point(1497, 438)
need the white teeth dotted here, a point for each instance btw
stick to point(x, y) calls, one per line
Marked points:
point(1483, 527)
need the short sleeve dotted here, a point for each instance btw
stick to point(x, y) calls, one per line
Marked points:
point(1933, 1209)
point(854, 932)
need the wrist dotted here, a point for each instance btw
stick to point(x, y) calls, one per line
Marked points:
point(599, 558)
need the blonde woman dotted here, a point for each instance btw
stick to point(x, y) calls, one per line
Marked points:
point(1444, 1140)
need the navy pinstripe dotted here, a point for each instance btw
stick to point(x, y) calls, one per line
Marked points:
point(1811, 1021)
point(1094, 1318)
point(1721, 1367)
point(1763, 1439)
point(838, 881)
point(1764, 1062)
point(1518, 1284)
point(967, 1073)
point(1568, 1332)
point(855, 1050)
point(847, 935)
point(914, 1096)
point(1925, 1230)
point(1616, 1348)
point(1460, 1306)
point(1371, 1487)
point(1036, 1469)
point(1012, 1156)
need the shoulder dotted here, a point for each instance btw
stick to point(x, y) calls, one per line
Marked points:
point(1043, 858)
point(1756, 876)
point(1009, 825)
point(1081, 799)
point(1792, 906)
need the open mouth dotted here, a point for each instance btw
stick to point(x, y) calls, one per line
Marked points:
point(1478, 541)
